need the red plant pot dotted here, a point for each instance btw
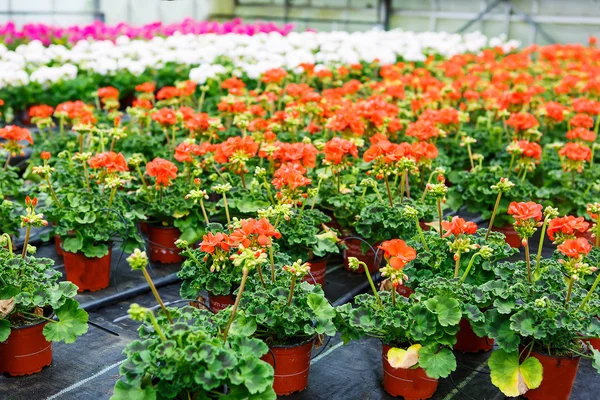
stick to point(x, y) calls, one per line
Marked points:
point(412, 384)
point(559, 376)
point(468, 342)
point(512, 237)
point(218, 303)
point(162, 244)
point(404, 291)
point(318, 268)
point(292, 364)
point(26, 351)
point(354, 250)
point(88, 273)
point(58, 245)
point(143, 227)
point(595, 343)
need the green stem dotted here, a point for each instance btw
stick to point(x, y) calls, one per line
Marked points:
point(226, 208)
point(421, 235)
point(462, 279)
point(86, 176)
point(528, 261)
point(112, 196)
point(364, 265)
point(317, 194)
point(237, 303)
point(470, 156)
point(428, 182)
point(393, 296)
point(487, 234)
point(268, 187)
point(26, 242)
point(457, 265)
point(387, 186)
point(439, 208)
point(7, 163)
point(157, 327)
point(53, 193)
point(260, 275)
point(589, 294)
point(156, 295)
point(204, 211)
point(292, 286)
point(540, 246)
point(598, 231)
point(569, 290)
point(9, 242)
point(402, 184)
point(272, 258)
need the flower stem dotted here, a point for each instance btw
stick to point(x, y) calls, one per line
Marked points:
point(387, 186)
point(7, 163)
point(402, 185)
point(421, 235)
point(598, 231)
point(157, 327)
point(569, 290)
point(364, 265)
point(226, 208)
point(317, 194)
point(52, 192)
point(237, 303)
point(540, 246)
point(260, 275)
point(393, 296)
point(26, 242)
point(292, 286)
point(156, 295)
point(204, 211)
point(528, 261)
point(462, 279)
point(487, 234)
point(272, 258)
point(439, 207)
point(457, 265)
point(589, 294)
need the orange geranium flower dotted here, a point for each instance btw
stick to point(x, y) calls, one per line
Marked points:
point(582, 134)
point(275, 75)
point(233, 145)
point(555, 110)
point(422, 130)
point(525, 210)
point(211, 242)
point(142, 103)
point(41, 111)
point(576, 152)
point(530, 149)
point(522, 121)
point(184, 152)
point(167, 92)
point(458, 226)
point(290, 175)
point(336, 148)
point(146, 87)
point(162, 170)
point(165, 117)
point(265, 232)
point(16, 133)
point(567, 225)
point(109, 160)
point(108, 92)
point(574, 247)
point(398, 253)
point(582, 120)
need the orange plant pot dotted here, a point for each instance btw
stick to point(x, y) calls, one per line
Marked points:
point(354, 250)
point(58, 245)
point(468, 342)
point(412, 384)
point(512, 237)
point(162, 244)
point(404, 291)
point(595, 343)
point(318, 268)
point(559, 377)
point(88, 273)
point(26, 351)
point(292, 365)
point(218, 303)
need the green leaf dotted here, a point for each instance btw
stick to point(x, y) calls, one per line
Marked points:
point(504, 306)
point(4, 329)
point(524, 323)
point(72, 322)
point(73, 244)
point(437, 364)
point(320, 305)
point(59, 294)
point(257, 375)
point(473, 313)
point(95, 250)
point(125, 391)
point(595, 360)
point(447, 309)
point(511, 378)
point(7, 292)
point(499, 328)
point(424, 323)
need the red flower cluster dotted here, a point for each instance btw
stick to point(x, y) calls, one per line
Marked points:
point(108, 92)
point(235, 145)
point(530, 149)
point(253, 232)
point(398, 253)
point(572, 248)
point(576, 152)
point(146, 87)
point(162, 170)
point(336, 148)
point(525, 211)
point(165, 116)
point(522, 121)
point(291, 176)
point(16, 133)
point(582, 134)
point(110, 161)
point(41, 111)
point(567, 225)
point(458, 226)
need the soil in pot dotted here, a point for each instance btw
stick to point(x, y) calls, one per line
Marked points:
point(318, 269)
point(559, 377)
point(467, 341)
point(511, 237)
point(162, 244)
point(220, 302)
point(354, 249)
point(412, 384)
point(26, 351)
point(88, 273)
point(292, 365)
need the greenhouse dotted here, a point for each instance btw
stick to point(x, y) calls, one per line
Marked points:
point(307, 199)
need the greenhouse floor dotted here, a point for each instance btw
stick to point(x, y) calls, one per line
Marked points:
point(89, 368)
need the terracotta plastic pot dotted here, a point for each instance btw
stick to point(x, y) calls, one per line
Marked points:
point(412, 384)
point(143, 227)
point(512, 237)
point(58, 245)
point(468, 342)
point(595, 343)
point(26, 351)
point(354, 250)
point(404, 291)
point(318, 269)
point(559, 377)
point(292, 364)
point(162, 244)
point(88, 273)
point(218, 303)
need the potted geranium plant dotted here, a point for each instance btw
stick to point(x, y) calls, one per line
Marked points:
point(191, 353)
point(88, 215)
point(30, 298)
point(547, 309)
point(289, 315)
point(416, 336)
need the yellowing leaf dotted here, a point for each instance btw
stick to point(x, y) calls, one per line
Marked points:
point(512, 378)
point(400, 358)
